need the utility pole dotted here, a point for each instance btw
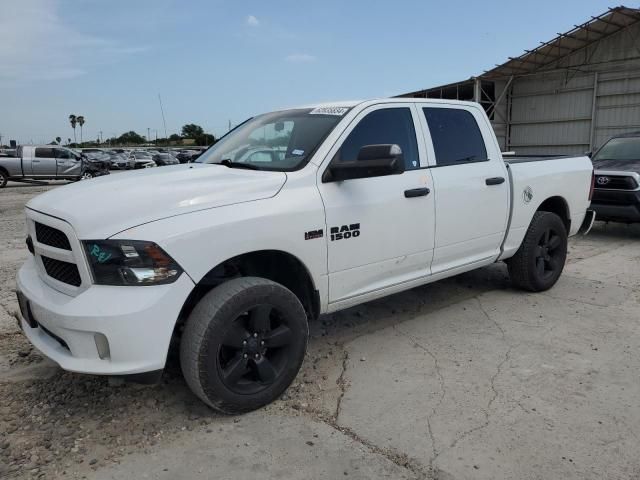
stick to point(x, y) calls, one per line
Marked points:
point(229, 125)
point(148, 135)
point(0, 140)
point(101, 136)
point(163, 120)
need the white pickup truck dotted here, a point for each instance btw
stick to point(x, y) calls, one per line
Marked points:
point(230, 259)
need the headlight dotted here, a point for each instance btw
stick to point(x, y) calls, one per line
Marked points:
point(130, 262)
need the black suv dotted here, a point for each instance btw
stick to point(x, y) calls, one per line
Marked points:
point(616, 196)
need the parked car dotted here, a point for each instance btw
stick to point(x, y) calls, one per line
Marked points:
point(142, 159)
point(617, 186)
point(93, 150)
point(232, 259)
point(120, 161)
point(186, 156)
point(163, 159)
point(47, 162)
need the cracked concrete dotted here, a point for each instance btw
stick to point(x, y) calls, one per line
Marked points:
point(462, 379)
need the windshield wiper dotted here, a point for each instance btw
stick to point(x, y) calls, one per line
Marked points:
point(228, 163)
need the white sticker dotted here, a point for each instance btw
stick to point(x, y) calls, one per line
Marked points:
point(339, 111)
point(297, 152)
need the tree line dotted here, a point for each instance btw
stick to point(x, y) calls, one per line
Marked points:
point(190, 131)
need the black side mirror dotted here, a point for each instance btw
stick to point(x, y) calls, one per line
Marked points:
point(372, 161)
point(589, 154)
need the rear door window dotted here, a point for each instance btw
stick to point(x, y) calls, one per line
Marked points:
point(44, 152)
point(456, 136)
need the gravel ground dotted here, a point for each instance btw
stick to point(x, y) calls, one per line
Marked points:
point(55, 424)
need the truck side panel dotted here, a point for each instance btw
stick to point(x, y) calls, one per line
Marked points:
point(13, 166)
point(535, 182)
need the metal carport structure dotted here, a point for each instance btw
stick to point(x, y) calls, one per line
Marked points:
point(566, 96)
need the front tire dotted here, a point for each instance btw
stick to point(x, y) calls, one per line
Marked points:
point(243, 344)
point(539, 261)
point(86, 176)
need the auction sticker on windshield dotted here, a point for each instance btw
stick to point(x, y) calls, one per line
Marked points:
point(339, 111)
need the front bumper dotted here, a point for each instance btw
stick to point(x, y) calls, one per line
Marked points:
point(616, 205)
point(137, 323)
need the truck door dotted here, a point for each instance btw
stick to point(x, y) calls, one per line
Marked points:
point(67, 164)
point(471, 186)
point(43, 163)
point(379, 230)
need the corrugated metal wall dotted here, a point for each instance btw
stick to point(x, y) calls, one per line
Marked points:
point(588, 97)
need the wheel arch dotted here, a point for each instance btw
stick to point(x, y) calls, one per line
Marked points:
point(276, 265)
point(560, 207)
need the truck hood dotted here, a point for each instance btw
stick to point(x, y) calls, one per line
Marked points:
point(617, 165)
point(102, 207)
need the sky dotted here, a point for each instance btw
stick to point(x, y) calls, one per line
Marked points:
point(218, 62)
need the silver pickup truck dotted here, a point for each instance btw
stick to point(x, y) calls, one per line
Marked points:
point(48, 162)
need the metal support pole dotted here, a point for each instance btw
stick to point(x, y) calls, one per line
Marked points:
point(507, 140)
point(476, 90)
point(594, 105)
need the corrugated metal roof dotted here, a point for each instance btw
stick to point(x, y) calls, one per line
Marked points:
point(549, 53)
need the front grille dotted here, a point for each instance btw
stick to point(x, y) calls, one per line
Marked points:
point(613, 182)
point(64, 272)
point(52, 236)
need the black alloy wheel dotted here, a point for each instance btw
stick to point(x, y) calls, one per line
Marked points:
point(539, 261)
point(243, 344)
point(255, 350)
point(549, 257)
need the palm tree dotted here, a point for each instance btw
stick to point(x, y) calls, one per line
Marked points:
point(68, 141)
point(58, 139)
point(80, 120)
point(73, 120)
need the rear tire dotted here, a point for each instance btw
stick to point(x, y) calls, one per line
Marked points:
point(539, 261)
point(4, 178)
point(243, 344)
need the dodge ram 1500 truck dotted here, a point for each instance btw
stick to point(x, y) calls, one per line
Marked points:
point(230, 257)
point(617, 187)
point(48, 162)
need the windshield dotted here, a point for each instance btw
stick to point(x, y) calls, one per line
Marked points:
point(625, 148)
point(281, 141)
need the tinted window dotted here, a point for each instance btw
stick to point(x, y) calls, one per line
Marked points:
point(624, 148)
point(60, 153)
point(385, 126)
point(42, 152)
point(455, 135)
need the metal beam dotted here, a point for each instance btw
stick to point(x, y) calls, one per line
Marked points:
point(476, 90)
point(585, 41)
point(501, 96)
point(609, 22)
point(524, 60)
point(594, 108)
point(633, 17)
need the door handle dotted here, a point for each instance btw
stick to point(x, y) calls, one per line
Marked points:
point(416, 192)
point(494, 180)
